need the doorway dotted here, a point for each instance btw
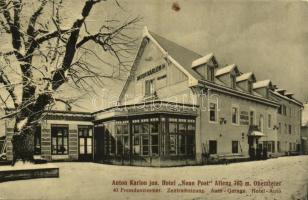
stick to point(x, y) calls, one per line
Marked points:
point(85, 143)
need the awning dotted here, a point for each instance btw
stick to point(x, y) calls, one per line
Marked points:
point(256, 134)
point(304, 138)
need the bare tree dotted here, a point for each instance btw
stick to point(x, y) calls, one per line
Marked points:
point(44, 54)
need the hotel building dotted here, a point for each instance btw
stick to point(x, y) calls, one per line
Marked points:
point(176, 108)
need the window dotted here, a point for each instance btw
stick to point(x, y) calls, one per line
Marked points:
point(234, 146)
point(250, 86)
point(37, 141)
point(149, 87)
point(234, 115)
point(210, 73)
point(122, 138)
point(109, 139)
point(261, 123)
point(233, 81)
point(252, 117)
point(213, 147)
point(279, 127)
point(172, 149)
point(269, 121)
point(280, 109)
point(285, 128)
point(181, 136)
point(270, 145)
point(278, 146)
point(284, 110)
point(85, 140)
point(213, 112)
point(145, 145)
point(290, 129)
point(59, 135)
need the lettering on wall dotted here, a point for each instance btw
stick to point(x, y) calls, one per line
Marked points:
point(151, 71)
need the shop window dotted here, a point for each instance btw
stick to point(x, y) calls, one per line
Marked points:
point(109, 140)
point(213, 147)
point(191, 126)
point(145, 145)
point(172, 141)
point(154, 145)
point(172, 127)
point(59, 139)
point(181, 144)
point(234, 146)
point(136, 148)
point(119, 145)
point(190, 143)
point(182, 126)
point(154, 124)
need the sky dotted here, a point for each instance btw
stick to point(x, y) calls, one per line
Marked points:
point(269, 38)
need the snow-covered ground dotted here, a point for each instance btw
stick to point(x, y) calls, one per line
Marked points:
point(94, 181)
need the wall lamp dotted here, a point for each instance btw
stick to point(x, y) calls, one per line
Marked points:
point(222, 121)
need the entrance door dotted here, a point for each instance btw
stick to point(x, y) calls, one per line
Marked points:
point(99, 135)
point(85, 143)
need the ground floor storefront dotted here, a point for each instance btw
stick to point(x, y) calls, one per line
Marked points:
point(154, 140)
point(151, 135)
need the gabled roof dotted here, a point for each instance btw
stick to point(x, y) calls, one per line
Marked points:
point(245, 76)
point(225, 70)
point(261, 84)
point(179, 53)
point(280, 91)
point(202, 60)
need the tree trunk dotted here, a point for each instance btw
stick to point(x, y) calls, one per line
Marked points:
point(23, 138)
point(23, 145)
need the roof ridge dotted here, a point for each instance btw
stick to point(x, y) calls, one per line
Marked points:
point(157, 35)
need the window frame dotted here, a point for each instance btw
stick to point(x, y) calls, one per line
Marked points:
point(237, 114)
point(269, 120)
point(59, 126)
point(215, 111)
point(232, 147)
point(254, 117)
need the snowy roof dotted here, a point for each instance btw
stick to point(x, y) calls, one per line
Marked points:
point(244, 77)
point(203, 60)
point(225, 70)
point(289, 94)
point(261, 84)
point(179, 53)
point(256, 133)
point(280, 90)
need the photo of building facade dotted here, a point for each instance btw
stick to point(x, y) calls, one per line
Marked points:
point(176, 108)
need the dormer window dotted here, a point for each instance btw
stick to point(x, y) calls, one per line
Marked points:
point(233, 81)
point(250, 87)
point(149, 87)
point(210, 73)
